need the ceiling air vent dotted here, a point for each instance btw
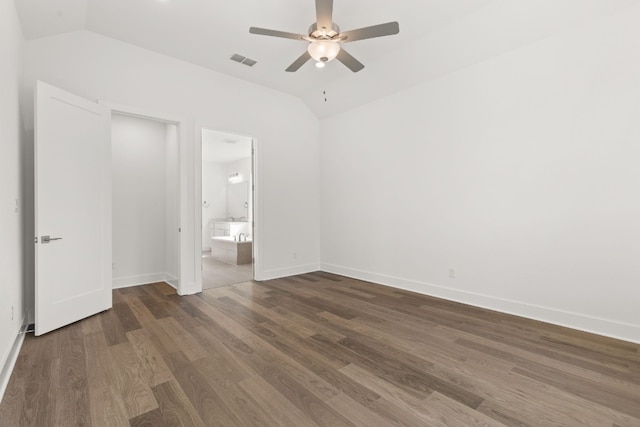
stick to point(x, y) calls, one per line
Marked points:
point(243, 60)
point(237, 58)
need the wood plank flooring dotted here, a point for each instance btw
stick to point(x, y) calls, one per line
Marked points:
point(317, 350)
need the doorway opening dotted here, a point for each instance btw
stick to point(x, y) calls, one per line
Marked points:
point(227, 232)
point(145, 201)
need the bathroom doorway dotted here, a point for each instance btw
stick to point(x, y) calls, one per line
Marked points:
point(227, 231)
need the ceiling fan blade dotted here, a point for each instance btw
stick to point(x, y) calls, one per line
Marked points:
point(352, 63)
point(324, 13)
point(299, 62)
point(274, 33)
point(388, 29)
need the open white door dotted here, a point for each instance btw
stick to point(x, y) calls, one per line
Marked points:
point(72, 208)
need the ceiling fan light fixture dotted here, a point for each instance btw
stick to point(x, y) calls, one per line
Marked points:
point(325, 39)
point(323, 50)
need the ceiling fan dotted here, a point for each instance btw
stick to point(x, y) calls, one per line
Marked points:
point(325, 38)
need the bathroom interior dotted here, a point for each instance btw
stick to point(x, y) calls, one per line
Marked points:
point(227, 209)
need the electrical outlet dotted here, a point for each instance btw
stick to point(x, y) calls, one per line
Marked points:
point(452, 273)
point(11, 312)
point(113, 266)
point(295, 255)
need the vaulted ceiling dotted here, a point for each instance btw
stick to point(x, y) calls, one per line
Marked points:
point(436, 36)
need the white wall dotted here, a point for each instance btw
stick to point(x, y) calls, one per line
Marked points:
point(12, 313)
point(214, 191)
point(243, 167)
point(520, 172)
point(141, 207)
point(286, 131)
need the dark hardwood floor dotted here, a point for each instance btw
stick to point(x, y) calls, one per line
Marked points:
point(317, 349)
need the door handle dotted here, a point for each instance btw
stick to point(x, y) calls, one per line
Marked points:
point(47, 239)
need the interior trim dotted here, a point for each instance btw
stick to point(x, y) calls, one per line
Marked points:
point(605, 327)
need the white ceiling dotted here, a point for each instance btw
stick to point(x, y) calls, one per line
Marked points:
point(436, 36)
point(222, 147)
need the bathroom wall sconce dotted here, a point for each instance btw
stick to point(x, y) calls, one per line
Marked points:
point(235, 178)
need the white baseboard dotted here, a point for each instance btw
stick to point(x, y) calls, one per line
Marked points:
point(582, 322)
point(171, 280)
point(277, 273)
point(10, 363)
point(143, 279)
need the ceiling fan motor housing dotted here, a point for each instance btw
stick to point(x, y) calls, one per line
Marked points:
point(323, 33)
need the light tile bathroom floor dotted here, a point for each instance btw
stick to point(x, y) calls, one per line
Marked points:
point(218, 273)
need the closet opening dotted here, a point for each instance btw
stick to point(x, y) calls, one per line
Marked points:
point(145, 160)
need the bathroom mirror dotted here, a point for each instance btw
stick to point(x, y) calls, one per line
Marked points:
point(238, 200)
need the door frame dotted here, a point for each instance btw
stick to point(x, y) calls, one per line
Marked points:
point(186, 272)
point(197, 205)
